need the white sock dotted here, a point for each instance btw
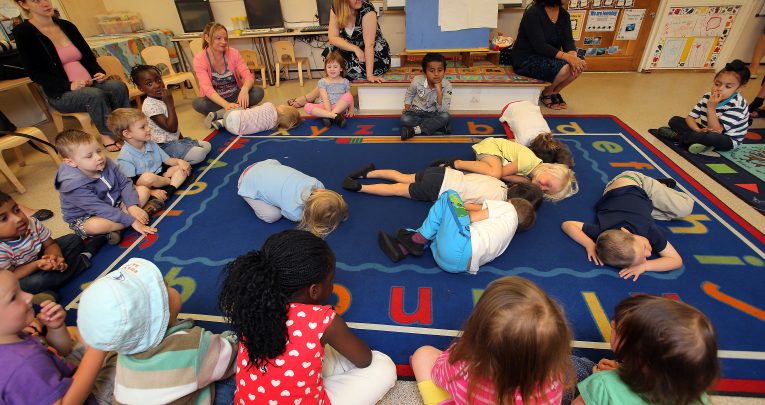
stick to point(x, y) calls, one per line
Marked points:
point(417, 129)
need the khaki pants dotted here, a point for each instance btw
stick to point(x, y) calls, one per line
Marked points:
point(667, 203)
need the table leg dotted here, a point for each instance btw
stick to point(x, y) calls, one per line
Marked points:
point(264, 43)
point(40, 100)
point(181, 55)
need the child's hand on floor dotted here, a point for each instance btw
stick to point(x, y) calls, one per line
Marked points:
point(51, 314)
point(143, 229)
point(632, 271)
point(159, 194)
point(593, 256)
point(139, 214)
point(350, 112)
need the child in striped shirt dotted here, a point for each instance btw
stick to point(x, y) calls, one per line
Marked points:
point(514, 350)
point(722, 114)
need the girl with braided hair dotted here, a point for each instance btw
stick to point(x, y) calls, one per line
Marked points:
point(291, 347)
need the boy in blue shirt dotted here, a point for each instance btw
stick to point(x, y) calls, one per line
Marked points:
point(427, 100)
point(143, 161)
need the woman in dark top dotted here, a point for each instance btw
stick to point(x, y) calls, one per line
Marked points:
point(354, 31)
point(545, 50)
point(56, 56)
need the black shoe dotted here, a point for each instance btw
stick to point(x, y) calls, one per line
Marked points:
point(404, 237)
point(448, 129)
point(339, 120)
point(406, 132)
point(326, 121)
point(362, 173)
point(351, 184)
point(43, 215)
point(666, 133)
point(671, 183)
point(389, 246)
point(95, 244)
point(443, 163)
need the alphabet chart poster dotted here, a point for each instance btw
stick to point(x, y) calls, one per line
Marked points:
point(692, 37)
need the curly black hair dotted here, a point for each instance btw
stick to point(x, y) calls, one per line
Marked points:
point(138, 69)
point(257, 287)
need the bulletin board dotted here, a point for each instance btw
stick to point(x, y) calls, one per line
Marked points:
point(423, 32)
point(692, 37)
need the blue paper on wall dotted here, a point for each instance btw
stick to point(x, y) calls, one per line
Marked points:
point(423, 32)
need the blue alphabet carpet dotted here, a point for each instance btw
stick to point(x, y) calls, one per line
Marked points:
point(399, 307)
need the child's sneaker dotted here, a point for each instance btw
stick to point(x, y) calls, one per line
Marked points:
point(339, 120)
point(406, 132)
point(671, 183)
point(443, 163)
point(666, 133)
point(362, 172)
point(326, 122)
point(210, 118)
point(390, 247)
point(351, 184)
point(113, 237)
point(218, 124)
point(153, 206)
point(698, 148)
point(404, 237)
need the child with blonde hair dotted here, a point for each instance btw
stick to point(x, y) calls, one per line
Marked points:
point(331, 100)
point(293, 347)
point(666, 353)
point(259, 118)
point(514, 349)
point(275, 191)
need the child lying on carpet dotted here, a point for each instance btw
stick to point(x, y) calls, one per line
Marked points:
point(531, 130)
point(255, 119)
point(292, 347)
point(133, 312)
point(513, 162)
point(626, 235)
point(274, 191)
point(514, 350)
point(722, 113)
point(490, 228)
point(667, 353)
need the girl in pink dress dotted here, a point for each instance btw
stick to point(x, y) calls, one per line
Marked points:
point(292, 348)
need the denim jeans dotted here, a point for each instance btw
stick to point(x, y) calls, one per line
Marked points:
point(688, 136)
point(429, 122)
point(448, 228)
point(97, 100)
point(204, 105)
point(583, 368)
point(224, 391)
point(71, 246)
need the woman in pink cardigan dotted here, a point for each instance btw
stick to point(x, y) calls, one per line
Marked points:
point(224, 79)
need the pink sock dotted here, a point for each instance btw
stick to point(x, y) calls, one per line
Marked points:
point(418, 238)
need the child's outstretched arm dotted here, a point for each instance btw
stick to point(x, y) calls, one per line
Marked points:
point(669, 260)
point(170, 122)
point(341, 338)
point(83, 378)
point(574, 231)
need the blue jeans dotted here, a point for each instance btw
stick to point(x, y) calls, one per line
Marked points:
point(71, 246)
point(429, 122)
point(448, 228)
point(224, 391)
point(97, 100)
point(204, 105)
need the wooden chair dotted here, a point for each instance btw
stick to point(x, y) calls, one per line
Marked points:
point(284, 53)
point(196, 46)
point(158, 56)
point(114, 70)
point(251, 58)
point(12, 142)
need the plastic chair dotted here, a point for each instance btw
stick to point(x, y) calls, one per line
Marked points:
point(12, 142)
point(114, 70)
point(82, 117)
point(158, 56)
point(251, 58)
point(196, 46)
point(285, 55)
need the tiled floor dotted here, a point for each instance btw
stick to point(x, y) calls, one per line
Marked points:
point(642, 100)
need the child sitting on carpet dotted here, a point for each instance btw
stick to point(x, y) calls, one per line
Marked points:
point(513, 162)
point(143, 161)
point(32, 372)
point(161, 359)
point(428, 184)
point(39, 262)
point(159, 106)
point(427, 100)
point(332, 97)
point(514, 349)
point(492, 227)
point(722, 112)
point(257, 119)
point(530, 129)
point(626, 235)
point(96, 198)
point(666, 351)
point(274, 191)
point(292, 347)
